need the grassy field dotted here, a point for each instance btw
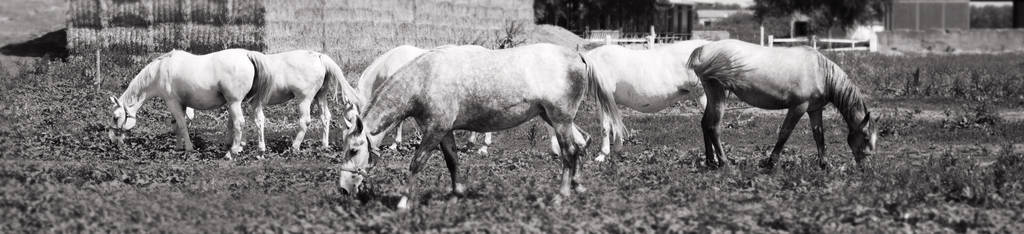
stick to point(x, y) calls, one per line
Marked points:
point(950, 161)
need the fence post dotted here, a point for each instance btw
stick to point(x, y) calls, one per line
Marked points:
point(873, 44)
point(98, 80)
point(607, 39)
point(814, 41)
point(762, 35)
point(771, 40)
point(650, 40)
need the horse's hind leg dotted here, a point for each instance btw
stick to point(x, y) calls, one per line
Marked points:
point(325, 119)
point(792, 117)
point(709, 125)
point(303, 123)
point(486, 141)
point(555, 148)
point(451, 159)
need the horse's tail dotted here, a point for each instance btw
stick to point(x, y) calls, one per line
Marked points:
point(606, 99)
point(335, 82)
point(714, 64)
point(263, 81)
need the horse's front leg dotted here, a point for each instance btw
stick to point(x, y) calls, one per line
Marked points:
point(792, 118)
point(237, 122)
point(303, 123)
point(261, 123)
point(325, 119)
point(181, 126)
point(818, 129)
point(398, 136)
point(451, 159)
point(431, 138)
point(606, 142)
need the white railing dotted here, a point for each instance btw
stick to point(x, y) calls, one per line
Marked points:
point(813, 42)
point(639, 38)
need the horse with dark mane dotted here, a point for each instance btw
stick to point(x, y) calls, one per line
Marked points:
point(798, 79)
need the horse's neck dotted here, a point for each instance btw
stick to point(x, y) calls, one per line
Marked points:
point(389, 107)
point(139, 88)
point(843, 94)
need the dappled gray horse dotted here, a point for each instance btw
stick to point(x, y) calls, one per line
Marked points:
point(202, 82)
point(798, 79)
point(384, 68)
point(476, 89)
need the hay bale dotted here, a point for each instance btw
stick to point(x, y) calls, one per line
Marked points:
point(128, 13)
point(84, 14)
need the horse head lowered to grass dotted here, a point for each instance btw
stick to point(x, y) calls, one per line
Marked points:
point(184, 80)
point(799, 79)
point(476, 89)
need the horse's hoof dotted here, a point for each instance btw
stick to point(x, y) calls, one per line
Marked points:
point(767, 163)
point(459, 190)
point(580, 189)
point(393, 146)
point(228, 157)
point(403, 204)
point(262, 148)
point(482, 151)
point(825, 166)
point(600, 157)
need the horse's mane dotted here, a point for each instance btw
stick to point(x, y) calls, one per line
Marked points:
point(147, 75)
point(839, 89)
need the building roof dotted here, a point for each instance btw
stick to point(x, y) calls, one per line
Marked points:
point(719, 13)
point(677, 2)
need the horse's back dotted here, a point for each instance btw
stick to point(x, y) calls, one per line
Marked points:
point(204, 81)
point(495, 89)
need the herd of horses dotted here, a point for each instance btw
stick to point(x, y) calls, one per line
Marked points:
point(482, 90)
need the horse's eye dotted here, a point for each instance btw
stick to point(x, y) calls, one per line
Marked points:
point(353, 152)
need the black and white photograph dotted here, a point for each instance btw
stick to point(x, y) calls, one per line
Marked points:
point(511, 116)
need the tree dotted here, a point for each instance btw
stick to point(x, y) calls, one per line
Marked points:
point(824, 14)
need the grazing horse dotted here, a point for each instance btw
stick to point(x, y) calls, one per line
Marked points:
point(201, 82)
point(476, 89)
point(308, 77)
point(381, 70)
point(645, 80)
point(798, 79)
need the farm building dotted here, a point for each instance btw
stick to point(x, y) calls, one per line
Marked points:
point(708, 17)
point(939, 14)
point(354, 31)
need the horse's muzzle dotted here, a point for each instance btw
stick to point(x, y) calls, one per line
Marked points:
point(350, 183)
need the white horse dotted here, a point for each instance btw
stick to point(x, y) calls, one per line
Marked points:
point(185, 80)
point(645, 80)
point(308, 77)
point(798, 79)
point(476, 89)
point(385, 67)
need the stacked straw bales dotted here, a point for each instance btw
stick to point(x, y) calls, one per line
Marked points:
point(148, 26)
point(353, 31)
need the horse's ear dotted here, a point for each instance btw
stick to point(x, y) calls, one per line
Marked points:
point(867, 119)
point(114, 100)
